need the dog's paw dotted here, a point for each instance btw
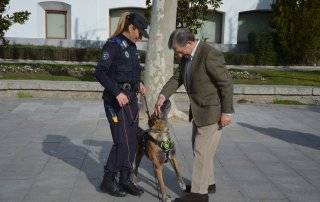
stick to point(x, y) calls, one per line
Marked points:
point(167, 199)
point(135, 178)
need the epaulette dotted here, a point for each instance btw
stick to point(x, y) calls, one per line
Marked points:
point(121, 42)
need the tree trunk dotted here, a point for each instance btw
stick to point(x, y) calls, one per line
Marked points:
point(159, 61)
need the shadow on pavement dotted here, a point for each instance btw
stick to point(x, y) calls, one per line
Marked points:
point(299, 138)
point(68, 150)
point(95, 162)
point(314, 108)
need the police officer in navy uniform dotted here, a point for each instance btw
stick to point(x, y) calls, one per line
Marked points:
point(118, 71)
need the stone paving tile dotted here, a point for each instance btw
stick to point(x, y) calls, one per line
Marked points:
point(55, 150)
point(261, 190)
point(14, 190)
point(39, 194)
point(87, 190)
point(27, 107)
point(297, 114)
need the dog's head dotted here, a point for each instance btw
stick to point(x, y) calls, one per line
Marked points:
point(157, 120)
point(159, 123)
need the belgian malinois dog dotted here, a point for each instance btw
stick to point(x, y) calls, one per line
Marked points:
point(157, 145)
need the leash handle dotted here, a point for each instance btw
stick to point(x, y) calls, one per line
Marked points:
point(147, 108)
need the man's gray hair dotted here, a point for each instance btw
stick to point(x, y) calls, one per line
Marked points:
point(180, 37)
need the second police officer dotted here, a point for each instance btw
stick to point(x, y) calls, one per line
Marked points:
point(118, 71)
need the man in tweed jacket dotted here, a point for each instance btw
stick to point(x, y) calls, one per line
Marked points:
point(210, 90)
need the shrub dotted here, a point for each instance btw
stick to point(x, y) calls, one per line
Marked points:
point(239, 59)
point(54, 53)
point(297, 26)
point(261, 45)
point(48, 53)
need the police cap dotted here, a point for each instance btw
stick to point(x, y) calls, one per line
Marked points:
point(139, 21)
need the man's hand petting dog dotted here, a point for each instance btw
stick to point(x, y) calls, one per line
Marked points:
point(159, 103)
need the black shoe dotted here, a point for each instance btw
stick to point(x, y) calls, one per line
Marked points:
point(211, 188)
point(193, 197)
point(127, 184)
point(109, 185)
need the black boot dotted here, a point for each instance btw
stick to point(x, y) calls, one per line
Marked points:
point(127, 184)
point(109, 185)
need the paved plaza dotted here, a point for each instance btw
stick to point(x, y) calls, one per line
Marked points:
point(55, 150)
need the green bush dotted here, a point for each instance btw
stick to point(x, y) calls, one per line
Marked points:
point(297, 27)
point(49, 53)
point(92, 55)
point(53, 53)
point(239, 59)
point(261, 45)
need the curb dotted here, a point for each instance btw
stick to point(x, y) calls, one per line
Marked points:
point(82, 86)
point(240, 67)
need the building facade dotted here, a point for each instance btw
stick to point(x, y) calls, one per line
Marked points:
point(84, 23)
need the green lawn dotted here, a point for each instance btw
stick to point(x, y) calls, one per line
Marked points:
point(277, 77)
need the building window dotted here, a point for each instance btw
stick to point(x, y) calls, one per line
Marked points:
point(252, 21)
point(211, 29)
point(116, 13)
point(56, 24)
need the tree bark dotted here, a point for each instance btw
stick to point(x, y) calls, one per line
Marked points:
point(160, 59)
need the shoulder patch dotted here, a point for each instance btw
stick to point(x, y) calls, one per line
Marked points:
point(105, 55)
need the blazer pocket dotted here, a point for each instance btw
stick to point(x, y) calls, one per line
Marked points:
point(210, 100)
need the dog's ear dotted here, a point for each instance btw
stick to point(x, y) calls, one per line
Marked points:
point(152, 120)
point(165, 109)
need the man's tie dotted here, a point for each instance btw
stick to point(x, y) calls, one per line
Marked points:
point(187, 74)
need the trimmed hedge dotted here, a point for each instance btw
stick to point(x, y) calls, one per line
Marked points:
point(90, 55)
point(48, 53)
point(262, 46)
point(52, 53)
point(240, 58)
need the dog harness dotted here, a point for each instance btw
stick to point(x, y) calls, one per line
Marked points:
point(165, 145)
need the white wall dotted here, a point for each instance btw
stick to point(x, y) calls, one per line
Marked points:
point(90, 18)
point(231, 9)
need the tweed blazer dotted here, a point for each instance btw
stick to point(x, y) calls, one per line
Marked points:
point(211, 88)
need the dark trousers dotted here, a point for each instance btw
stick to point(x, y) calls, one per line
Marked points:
point(124, 135)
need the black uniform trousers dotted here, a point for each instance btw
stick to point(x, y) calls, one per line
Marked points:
point(124, 135)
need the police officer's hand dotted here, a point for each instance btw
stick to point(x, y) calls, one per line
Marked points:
point(159, 103)
point(122, 99)
point(142, 89)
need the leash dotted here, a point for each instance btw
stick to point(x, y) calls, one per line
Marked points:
point(126, 137)
point(154, 167)
point(147, 108)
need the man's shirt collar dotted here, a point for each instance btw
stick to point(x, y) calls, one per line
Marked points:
point(194, 49)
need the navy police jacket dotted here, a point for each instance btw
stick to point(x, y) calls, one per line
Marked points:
point(119, 64)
